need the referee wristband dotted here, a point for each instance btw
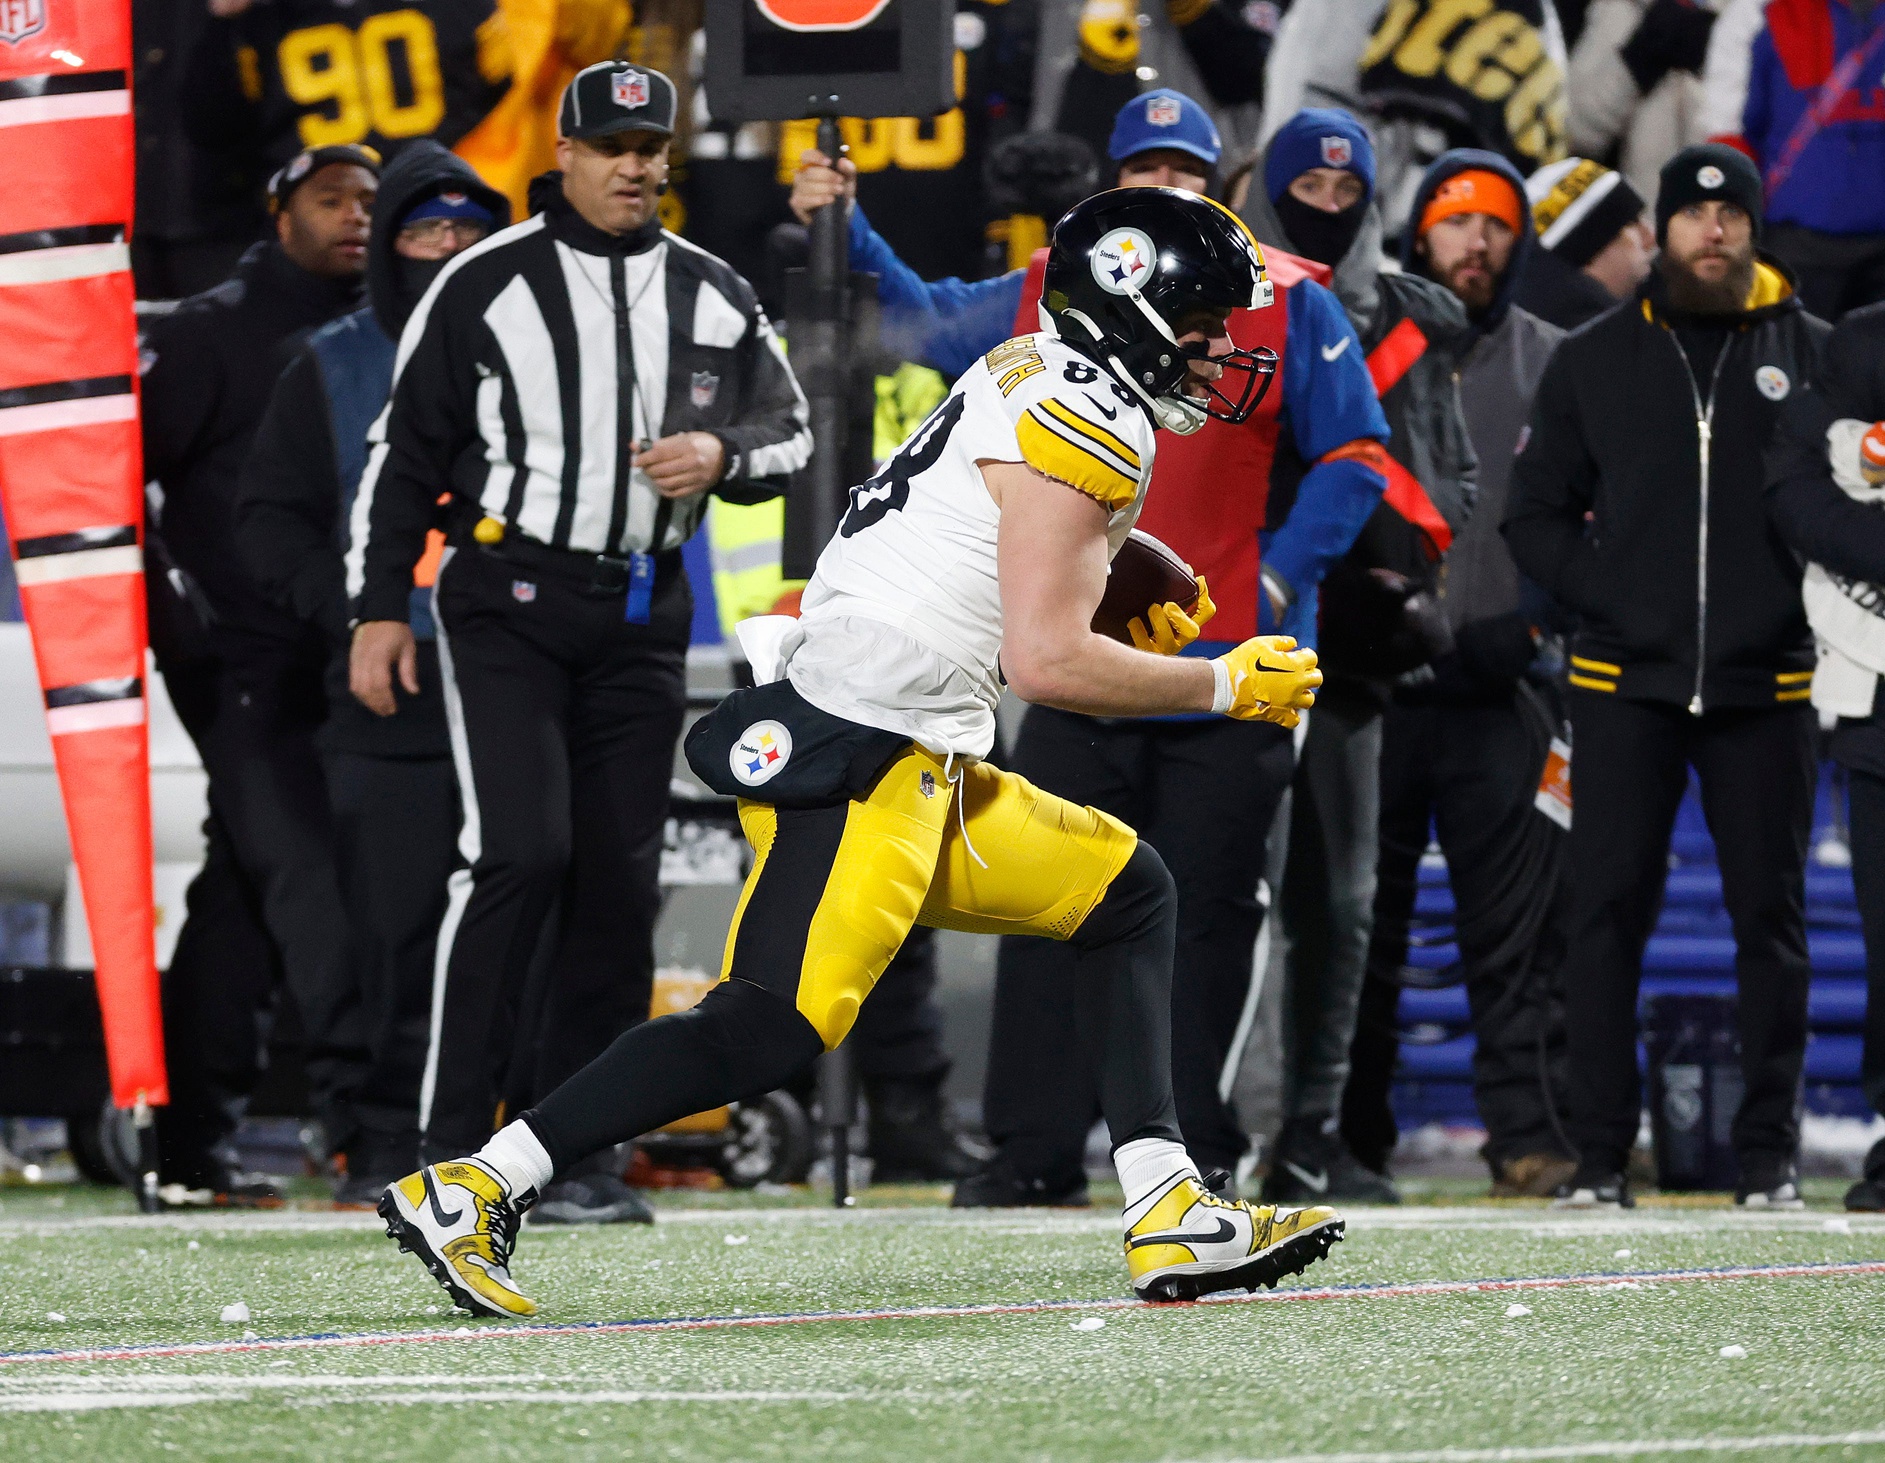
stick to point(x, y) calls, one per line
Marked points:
point(1221, 696)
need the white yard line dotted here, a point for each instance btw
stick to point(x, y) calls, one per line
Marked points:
point(388, 1391)
point(1607, 1280)
point(1636, 1448)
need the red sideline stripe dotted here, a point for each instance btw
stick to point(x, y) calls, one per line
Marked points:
point(923, 1313)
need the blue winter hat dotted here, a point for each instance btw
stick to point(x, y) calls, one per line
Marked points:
point(1164, 118)
point(449, 203)
point(1317, 137)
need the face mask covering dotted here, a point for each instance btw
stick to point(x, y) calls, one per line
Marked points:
point(1323, 237)
point(415, 277)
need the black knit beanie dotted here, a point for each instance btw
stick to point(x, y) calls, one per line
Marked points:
point(1708, 170)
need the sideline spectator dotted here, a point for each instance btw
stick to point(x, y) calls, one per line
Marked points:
point(1825, 487)
point(1316, 196)
point(245, 677)
point(1635, 83)
point(1465, 744)
point(390, 780)
point(1796, 85)
point(1636, 503)
point(1594, 246)
point(1426, 77)
point(578, 385)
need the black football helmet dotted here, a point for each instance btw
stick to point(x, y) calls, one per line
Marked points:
point(1129, 265)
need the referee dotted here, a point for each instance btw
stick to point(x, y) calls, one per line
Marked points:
point(575, 386)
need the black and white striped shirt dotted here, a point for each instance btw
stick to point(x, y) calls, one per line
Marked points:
point(531, 368)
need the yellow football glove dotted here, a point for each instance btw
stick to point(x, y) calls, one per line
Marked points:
point(1266, 679)
point(1172, 629)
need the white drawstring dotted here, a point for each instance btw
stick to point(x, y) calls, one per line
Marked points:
point(953, 776)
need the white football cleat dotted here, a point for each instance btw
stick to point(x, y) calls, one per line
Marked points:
point(461, 1221)
point(1183, 1242)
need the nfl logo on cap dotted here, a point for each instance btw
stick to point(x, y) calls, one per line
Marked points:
point(1337, 152)
point(630, 89)
point(1162, 112)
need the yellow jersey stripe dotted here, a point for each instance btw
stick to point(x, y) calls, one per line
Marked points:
point(1804, 693)
point(1591, 685)
point(1792, 678)
point(1048, 451)
point(1603, 667)
point(1091, 429)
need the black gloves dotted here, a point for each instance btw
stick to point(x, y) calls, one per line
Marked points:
point(1673, 36)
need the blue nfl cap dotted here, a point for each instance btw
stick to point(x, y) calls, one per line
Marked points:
point(1164, 118)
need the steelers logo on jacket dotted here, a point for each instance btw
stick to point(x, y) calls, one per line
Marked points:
point(761, 753)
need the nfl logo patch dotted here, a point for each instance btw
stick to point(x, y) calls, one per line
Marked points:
point(1337, 152)
point(630, 89)
point(703, 388)
point(1162, 112)
point(523, 591)
point(20, 19)
point(928, 784)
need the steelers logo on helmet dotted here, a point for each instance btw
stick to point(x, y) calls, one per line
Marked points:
point(1710, 176)
point(1123, 261)
point(761, 753)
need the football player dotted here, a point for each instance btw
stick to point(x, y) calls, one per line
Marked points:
point(979, 550)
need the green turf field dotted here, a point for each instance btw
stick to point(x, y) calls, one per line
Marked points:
point(1619, 1368)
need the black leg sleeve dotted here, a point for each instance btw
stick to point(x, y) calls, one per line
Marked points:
point(1123, 1012)
point(739, 1042)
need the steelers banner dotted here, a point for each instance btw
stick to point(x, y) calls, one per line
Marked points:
point(71, 473)
point(777, 60)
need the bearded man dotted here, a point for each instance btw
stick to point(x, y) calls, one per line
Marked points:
point(1636, 502)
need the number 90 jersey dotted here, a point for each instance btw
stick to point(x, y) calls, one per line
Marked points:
point(916, 547)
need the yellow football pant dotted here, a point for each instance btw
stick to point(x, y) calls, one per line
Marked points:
point(834, 891)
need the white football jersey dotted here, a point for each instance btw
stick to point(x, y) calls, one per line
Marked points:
point(915, 551)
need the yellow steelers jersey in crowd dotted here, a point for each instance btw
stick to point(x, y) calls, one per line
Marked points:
point(481, 76)
point(902, 619)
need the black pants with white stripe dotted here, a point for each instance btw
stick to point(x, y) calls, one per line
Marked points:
point(564, 723)
point(1203, 793)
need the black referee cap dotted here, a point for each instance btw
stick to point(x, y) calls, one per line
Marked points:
point(616, 96)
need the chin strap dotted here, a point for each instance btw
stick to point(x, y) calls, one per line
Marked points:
point(1173, 413)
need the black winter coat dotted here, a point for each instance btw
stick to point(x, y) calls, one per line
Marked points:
point(1637, 501)
point(209, 369)
point(1812, 513)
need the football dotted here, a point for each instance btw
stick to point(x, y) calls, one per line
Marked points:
point(1144, 573)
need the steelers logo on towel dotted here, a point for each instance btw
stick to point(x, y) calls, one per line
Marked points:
point(1772, 383)
point(1123, 261)
point(761, 753)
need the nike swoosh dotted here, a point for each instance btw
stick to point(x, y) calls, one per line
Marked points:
point(1318, 1182)
point(1225, 1230)
point(1105, 411)
point(869, 493)
point(432, 1198)
point(1329, 354)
